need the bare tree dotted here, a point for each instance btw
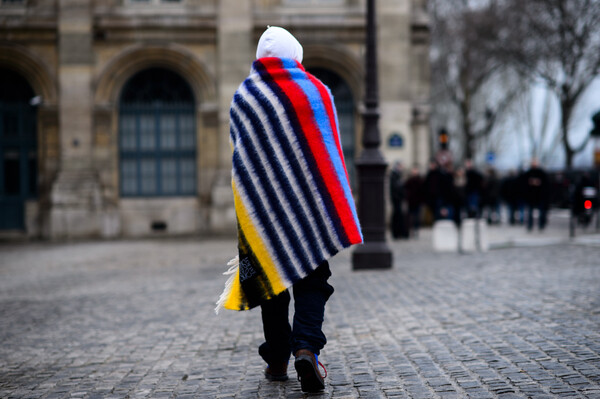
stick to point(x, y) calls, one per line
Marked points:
point(534, 123)
point(464, 75)
point(557, 41)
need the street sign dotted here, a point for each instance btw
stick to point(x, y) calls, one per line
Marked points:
point(396, 141)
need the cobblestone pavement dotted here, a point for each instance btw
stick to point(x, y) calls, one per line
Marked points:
point(135, 319)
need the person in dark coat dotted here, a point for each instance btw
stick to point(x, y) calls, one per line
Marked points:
point(536, 194)
point(459, 195)
point(398, 223)
point(510, 194)
point(491, 196)
point(413, 190)
point(473, 189)
point(433, 190)
point(448, 192)
point(521, 194)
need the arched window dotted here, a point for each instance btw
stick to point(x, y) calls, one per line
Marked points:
point(157, 136)
point(18, 149)
point(344, 104)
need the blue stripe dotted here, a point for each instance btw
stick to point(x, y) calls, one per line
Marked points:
point(287, 148)
point(322, 120)
point(345, 175)
point(260, 172)
point(308, 155)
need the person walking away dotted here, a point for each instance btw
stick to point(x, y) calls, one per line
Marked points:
point(293, 205)
point(433, 189)
point(510, 195)
point(521, 190)
point(473, 189)
point(413, 189)
point(491, 196)
point(536, 192)
point(398, 225)
point(459, 198)
point(448, 191)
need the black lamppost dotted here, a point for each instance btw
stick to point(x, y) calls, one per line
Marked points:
point(371, 166)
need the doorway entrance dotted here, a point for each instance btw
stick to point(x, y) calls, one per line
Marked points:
point(18, 149)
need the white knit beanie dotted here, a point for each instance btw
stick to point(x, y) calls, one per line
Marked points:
point(278, 42)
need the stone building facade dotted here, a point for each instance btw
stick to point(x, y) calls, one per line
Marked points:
point(114, 113)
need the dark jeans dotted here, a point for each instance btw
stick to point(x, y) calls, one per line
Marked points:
point(436, 206)
point(399, 228)
point(310, 296)
point(473, 205)
point(516, 207)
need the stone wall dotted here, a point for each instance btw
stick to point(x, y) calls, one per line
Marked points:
point(86, 50)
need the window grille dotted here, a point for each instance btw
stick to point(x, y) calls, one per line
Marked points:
point(157, 136)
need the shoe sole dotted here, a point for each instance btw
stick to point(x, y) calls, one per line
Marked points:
point(281, 377)
point(310, 379)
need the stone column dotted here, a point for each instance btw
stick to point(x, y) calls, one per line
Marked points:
point(75, 196)
point(421, 138)
point(420, 81)
point(235, 53)
point(393, 23)
point(76, 62)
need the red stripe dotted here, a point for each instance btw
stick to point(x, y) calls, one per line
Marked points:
point(327, 100)
point(313, 135)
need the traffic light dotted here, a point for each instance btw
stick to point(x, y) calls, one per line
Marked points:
point(443, 138)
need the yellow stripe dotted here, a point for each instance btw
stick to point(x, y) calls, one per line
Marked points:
point(257, 245)
point(236, 299)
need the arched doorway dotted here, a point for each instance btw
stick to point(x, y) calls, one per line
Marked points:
point(344, 104)
point(18, 149)
point(157, 136)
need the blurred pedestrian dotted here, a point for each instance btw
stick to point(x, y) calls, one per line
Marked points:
point(447, 189)
point(459, 195)
point(510, 193)
point(293, 205)
point(521, 187)
point(491, 196)
point(536, 194)
point(473, 189)
point(398, 222)
point(434, 190)
point(413, 189)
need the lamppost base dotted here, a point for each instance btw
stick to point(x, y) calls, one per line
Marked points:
point(372, 255)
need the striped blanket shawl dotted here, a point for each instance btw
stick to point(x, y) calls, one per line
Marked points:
point(292, 196)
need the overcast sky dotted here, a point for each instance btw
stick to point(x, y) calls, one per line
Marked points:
point(515, 148)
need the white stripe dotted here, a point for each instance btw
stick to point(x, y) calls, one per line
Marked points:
point(243, 197)
point(273, 220)
point(282, 160)
point(297, 148)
